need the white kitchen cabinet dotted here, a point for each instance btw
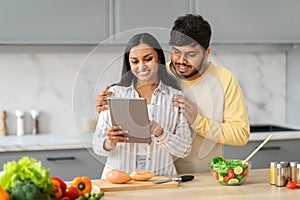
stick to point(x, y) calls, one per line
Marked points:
point(155, 17)
point(277, 150)
point(255, 21)
point(53, 21)
point(84, 22)
point(65, 164)
point(156, 13)
point(94, 21)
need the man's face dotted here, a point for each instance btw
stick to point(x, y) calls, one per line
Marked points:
point(188, 60)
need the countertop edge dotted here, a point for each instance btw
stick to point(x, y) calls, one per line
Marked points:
point(284, 135)
point(51, 141)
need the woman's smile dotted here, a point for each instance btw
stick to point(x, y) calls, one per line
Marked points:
point(144, 73)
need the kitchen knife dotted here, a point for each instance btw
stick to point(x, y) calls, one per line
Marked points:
point(179, 179)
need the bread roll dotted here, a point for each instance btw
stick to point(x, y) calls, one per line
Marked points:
point(118, 176)
point(141, 175)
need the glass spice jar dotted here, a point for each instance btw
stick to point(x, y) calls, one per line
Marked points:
point(298, 172)
point(280, 177)
point(273, 172)
point(286, 170)
point(293, 171)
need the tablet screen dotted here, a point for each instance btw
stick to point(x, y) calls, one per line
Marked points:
point(131, 115)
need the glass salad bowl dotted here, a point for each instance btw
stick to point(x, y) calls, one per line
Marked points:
point(229, 172)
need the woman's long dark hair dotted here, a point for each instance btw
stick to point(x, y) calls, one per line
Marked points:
point(162, 73)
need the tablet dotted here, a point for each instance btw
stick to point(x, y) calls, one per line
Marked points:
point(131, 115)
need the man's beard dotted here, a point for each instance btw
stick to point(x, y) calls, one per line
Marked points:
point(196, 71)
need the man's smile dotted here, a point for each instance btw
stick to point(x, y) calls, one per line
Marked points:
point(182, 68)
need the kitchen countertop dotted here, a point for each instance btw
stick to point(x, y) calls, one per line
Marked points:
point(278, 135)
point(204, 186)
point(47, 141)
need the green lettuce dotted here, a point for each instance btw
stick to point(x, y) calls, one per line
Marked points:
point(27, 170)
point(222, 166)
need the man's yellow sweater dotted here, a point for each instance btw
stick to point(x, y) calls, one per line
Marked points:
point(222, 116)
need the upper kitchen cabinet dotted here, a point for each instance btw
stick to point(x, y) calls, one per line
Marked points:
point(255, 21)
point(155, 16)
point(53, 21)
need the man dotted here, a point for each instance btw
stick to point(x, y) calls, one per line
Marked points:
point(214, 104)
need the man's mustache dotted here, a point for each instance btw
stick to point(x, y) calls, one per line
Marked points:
point(182, 64)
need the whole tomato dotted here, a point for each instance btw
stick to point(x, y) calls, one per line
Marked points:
point(291, 185)
point(71, 192)
point(298, 184)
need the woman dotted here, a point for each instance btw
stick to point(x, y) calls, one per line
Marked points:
point(144, 75)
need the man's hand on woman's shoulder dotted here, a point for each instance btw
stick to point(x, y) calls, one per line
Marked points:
point(101, 100)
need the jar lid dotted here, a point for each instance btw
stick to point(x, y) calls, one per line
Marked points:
point(280, 165)
point(273, 164)
point(293, 164)
point(284, 163)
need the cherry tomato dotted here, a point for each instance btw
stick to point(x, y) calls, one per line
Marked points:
point(245, 172)
point(216, 175)
point(298, 184)
point(230, 173)
point(226, 178)
point(71, 192)
point(65, 198)
point(291, 185)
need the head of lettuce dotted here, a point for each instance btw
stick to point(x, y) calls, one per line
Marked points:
point(26, 170)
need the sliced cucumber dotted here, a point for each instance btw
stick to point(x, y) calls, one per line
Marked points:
point(238, 170)
point(221, 178)
point(233, 181)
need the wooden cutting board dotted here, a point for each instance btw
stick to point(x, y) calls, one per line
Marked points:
point(106, 186)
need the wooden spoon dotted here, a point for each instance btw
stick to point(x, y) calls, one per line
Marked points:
point(257, 149)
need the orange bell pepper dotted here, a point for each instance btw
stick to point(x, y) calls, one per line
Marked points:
point(56, 190)
point(84, 184)
point(3, 194)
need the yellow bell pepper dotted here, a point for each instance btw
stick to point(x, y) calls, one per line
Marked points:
point(83, 183)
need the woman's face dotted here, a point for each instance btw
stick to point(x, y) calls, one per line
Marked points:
point(144, 61)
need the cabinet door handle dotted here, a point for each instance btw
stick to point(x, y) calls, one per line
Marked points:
point(270, 148)
point(60, 158)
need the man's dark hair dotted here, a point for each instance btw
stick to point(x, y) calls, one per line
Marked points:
point(190, 29)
